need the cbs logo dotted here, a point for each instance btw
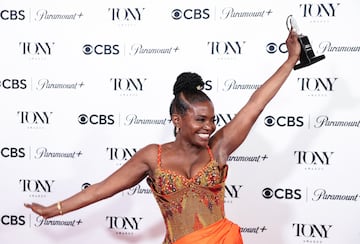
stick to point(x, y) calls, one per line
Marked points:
point(284, 121)
point(13, 84)
point(190, 14)
point(282, 193)
point(12, 220)
point(101, 49)
point(96, 119)
point(12, 152)
point(273, 48)
point(12, 14)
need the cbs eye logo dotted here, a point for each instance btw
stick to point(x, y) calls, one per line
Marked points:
point(87, 49)
point(96, 119)
point(269, 121)
point(85, 185)
point(273, 48)
point(283, 121)
point(281, 193)
point(267, 193)
point(176, 14)
point(190, 14)
point(101, 49)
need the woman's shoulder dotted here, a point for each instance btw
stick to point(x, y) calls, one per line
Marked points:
point(147, 154)
point(154, 149)
point(149, 149)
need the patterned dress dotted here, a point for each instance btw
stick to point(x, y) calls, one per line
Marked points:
point(188, 205)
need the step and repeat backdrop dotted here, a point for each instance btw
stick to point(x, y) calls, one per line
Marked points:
point(84, 85)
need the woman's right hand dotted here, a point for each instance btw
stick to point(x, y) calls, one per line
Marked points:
point(38, 209)
point(293, 45)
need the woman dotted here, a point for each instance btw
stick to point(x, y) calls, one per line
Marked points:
point(187, 175)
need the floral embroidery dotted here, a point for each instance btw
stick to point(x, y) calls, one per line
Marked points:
point(189, 204)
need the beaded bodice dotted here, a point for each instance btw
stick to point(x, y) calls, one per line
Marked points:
point(189, 204)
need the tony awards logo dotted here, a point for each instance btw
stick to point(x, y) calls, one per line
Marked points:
point(307, 56)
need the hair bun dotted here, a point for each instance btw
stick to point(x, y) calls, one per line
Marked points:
point(188, 81)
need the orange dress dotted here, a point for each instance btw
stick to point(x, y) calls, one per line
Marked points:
point(193, 209)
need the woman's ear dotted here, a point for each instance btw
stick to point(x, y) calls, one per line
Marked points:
point(175, 118)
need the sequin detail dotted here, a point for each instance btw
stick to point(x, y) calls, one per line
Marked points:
point(189, 204)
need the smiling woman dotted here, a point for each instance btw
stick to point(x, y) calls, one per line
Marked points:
point(187, 175)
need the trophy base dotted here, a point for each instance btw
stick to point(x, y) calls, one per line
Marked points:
point(308, 62)
point(307, 56)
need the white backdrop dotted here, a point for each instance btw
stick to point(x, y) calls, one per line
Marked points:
point(85, 85)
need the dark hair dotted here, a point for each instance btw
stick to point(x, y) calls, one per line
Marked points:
point(187, 90)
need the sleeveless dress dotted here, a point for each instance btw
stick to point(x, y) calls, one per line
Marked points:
point(191, 206)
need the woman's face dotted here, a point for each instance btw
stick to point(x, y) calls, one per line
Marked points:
point(198, 123)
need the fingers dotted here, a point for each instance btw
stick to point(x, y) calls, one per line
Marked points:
point(33, 206)
point(28, 205)
point(292, 35)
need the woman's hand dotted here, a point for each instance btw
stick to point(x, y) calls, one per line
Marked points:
point(293, 46)
point(38, 209)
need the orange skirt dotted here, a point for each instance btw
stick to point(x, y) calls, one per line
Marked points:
point(223, 231)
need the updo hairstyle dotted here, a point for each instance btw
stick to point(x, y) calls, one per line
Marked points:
point(187, 90)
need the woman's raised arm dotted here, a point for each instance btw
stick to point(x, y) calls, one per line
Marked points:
point(230, 137)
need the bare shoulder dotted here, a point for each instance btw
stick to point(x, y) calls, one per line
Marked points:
point(148, 154)
point(150, 149)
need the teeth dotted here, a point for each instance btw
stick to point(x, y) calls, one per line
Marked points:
point(205, 136)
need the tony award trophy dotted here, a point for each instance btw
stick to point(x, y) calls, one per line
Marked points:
point(307, 56)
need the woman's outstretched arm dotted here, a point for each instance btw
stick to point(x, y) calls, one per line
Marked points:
point(130, 174)
point(230, 137)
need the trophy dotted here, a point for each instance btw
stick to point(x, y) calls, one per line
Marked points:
point(307, 56)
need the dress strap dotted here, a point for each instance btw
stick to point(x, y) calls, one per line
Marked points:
point(210, 152)
point(159, 155)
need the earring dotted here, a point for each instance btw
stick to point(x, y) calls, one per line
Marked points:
point(177, 130)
